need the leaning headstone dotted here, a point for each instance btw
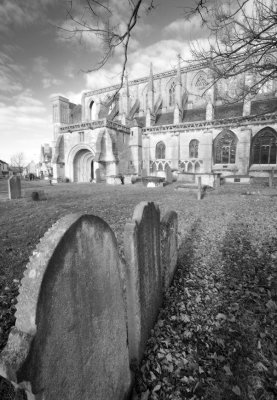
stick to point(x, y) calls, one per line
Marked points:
point(169, 246)
point(144, 278)
point(14, 187)
point(70, 337)
point(169, 175)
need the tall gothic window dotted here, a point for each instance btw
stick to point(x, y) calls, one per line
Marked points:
point(225, 145)
point(172, 94)
point(264, 147)
point(160, 150)
point(193, 148)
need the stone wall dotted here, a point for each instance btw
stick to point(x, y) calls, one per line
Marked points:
point(83, 315)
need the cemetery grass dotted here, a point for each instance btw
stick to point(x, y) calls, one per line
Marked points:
point(216, 333)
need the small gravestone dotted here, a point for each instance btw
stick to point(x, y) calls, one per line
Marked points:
point(98, 175)
point(70, 337)
point(169, 246)
point(169, 175)
point(14, 187)
point(39, 195)
point(144, 277)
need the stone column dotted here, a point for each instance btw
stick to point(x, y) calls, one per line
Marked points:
point(175, 153)
point(206, 151)
point(146, 153)
point(135, 145)
point(243, 150)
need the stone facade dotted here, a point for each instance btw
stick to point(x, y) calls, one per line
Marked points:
point(172, 119)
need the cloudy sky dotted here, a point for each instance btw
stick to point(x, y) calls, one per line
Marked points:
point(38, 60)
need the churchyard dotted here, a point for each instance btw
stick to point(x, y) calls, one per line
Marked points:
point(216, 331)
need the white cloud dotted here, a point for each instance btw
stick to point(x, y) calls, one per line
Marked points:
point(10, 74)
point(14, 13)
point(24, 125)
point(184, 30)
point(40, 66)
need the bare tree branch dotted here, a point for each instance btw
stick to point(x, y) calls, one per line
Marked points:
point(243, 41)
point(97, 17)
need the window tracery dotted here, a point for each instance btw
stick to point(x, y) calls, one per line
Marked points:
point(225, 145)
point(193, 148)
point(264, 147)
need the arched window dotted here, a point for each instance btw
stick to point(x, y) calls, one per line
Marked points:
point(172, 94)
point(264, 147)
point(193, 148)
point(225, 145)
point(160, 150)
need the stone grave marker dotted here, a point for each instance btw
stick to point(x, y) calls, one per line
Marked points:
point(169, 246)
point(169, 175)
point(14, 187)
point(144, 277)
point(39, 195)
point(98, 175)
point(70, 337)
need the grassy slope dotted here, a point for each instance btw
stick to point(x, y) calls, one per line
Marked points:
point(222, 235)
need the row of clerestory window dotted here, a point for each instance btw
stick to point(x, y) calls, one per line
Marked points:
point(263, 148)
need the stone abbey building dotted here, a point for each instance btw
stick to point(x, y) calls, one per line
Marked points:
point(165, 120)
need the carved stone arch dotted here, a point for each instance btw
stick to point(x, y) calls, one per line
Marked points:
point(264, 147)
point(79, 162)
point(197, 167)
point(189, 167)
point(224, 147)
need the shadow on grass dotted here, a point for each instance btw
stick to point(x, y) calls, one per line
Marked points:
point(245, 329)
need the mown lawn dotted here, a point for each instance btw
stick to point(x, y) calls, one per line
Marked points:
point(215, 337)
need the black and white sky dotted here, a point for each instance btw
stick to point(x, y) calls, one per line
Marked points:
point(38, 60)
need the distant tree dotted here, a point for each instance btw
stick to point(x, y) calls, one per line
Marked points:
point(242, 41)
point(18, 161)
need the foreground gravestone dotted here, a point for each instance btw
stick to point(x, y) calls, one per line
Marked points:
point(144, 277)
point(70, 340)
point(14, 187)
point(169, 246)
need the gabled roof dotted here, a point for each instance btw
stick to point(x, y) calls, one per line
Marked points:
point(3, 162)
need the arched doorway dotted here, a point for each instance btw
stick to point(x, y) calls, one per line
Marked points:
point(83, 166)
